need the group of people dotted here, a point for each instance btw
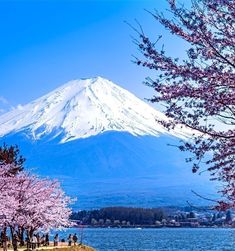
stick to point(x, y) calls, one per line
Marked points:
point(35, 241)
point(72, 239)
point(6, 242)
point(31, 243)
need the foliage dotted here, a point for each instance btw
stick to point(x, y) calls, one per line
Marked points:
point(11, 155)
point(199, 92)
point(119, 215)
point(28, 203)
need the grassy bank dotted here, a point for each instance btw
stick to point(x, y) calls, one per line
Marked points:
point(73, 248)
point(59, 248)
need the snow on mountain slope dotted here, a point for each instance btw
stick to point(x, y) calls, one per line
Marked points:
point(83, 108)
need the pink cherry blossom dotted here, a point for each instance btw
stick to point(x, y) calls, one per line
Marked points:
point(29, 203)
point(199, 91)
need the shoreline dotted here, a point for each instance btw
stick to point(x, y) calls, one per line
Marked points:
point(154, 227)
point(62, 246)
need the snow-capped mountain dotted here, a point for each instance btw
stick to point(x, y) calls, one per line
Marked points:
point(84, 108)
point(105, 146)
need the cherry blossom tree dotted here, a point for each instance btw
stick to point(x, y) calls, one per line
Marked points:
point(199, 90)
point(7, 200)
point(29, 203)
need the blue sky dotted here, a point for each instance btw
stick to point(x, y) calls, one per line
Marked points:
point(47, 43)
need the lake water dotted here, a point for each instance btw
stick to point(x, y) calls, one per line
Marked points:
point(164, 239)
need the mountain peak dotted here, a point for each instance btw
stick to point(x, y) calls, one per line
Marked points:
point(83, 108)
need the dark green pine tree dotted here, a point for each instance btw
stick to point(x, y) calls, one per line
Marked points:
point(228, 216)
point(11, 155)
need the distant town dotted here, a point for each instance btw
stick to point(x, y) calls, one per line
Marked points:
point(127, 217)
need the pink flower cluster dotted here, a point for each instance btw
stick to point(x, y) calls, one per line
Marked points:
point(28, 203)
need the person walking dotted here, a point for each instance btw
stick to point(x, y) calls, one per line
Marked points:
point(38, 240)
point(47, 241)
point(28, 244)
point(75, 239)
point(56, 240)
point(70, 240)
point(15, 242)
point(4, 239)
point(42, 240)
point(34, 242)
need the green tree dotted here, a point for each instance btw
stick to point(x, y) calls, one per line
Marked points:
point(11, 155)
point(228, 216)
